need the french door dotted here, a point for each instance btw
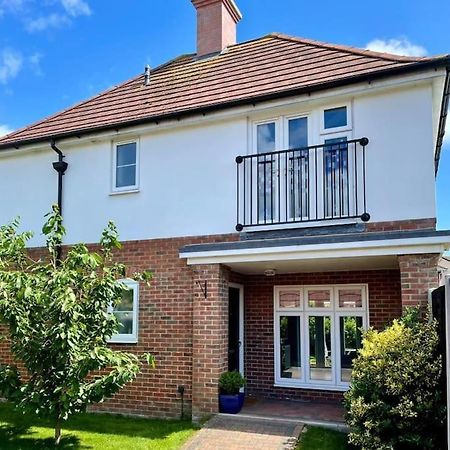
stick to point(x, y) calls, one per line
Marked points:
point(318, 331)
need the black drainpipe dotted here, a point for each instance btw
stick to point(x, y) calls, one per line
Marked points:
point(60, 166)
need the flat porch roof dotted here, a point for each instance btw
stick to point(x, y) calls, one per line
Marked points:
point(331, 252)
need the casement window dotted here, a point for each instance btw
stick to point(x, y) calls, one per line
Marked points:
point(336, 127)
point(125, 167)
point(336, 119)
point(336, 177)
point(127, 313)
point(317, 334)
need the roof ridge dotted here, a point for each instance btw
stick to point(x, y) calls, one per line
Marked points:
point(354, 50)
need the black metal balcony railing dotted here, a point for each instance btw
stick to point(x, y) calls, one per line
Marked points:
point(310, 184)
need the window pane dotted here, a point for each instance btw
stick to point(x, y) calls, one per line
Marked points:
point(336, 117)
point(298, 133)
point(290, 347)
point(320, 358)
point(126, 154)
point(126, 322)
point(127, 301)
point(351, 341)
point(350, 298)
point(266, 192)
point(266, 137)
point(290, 299)
point(126, 176)
point(336, 177)
point(319, 298)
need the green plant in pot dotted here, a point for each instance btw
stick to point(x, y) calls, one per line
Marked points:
point(231, 399)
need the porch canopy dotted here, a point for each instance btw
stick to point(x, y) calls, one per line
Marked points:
point(333, 282)
point(318, 253)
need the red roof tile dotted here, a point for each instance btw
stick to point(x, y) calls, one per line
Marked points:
point(275, 65)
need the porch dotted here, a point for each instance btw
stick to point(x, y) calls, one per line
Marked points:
point(287, 313)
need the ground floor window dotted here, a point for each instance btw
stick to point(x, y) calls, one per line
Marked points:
point(318, 330)
point(126, 313)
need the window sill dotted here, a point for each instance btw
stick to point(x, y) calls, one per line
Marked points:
point(123, 341)
point(128, 191)
point(315, 387)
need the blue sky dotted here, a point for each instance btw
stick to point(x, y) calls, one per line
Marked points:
point(54, 53)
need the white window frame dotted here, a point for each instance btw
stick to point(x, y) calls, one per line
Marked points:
point(120, 338)
point(281, 143)
point(350, 167)
point(124, 189)
point(304, 312)
point(334, 130)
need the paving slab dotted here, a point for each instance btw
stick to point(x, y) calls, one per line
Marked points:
point(225, 432)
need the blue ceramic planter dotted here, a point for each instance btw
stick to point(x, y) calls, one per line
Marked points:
point(231, 404)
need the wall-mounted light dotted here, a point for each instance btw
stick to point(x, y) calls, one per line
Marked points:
point(270, 272)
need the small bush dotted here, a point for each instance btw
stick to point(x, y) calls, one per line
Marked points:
point(395, 401)
point(231, 382)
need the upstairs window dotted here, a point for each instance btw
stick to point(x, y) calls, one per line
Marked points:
point(126, 313)
point(335, 118)
point(125, 170)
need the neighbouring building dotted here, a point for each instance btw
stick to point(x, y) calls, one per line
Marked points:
point(282, 190)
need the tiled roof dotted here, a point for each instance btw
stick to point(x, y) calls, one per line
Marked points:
point(274, 65)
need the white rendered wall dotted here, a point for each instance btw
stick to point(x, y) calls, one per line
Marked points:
point(188, 172)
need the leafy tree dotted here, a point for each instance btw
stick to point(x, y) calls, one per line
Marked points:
point(56, 315)
point(395, 401)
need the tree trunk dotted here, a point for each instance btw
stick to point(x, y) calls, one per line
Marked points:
point(58, 431)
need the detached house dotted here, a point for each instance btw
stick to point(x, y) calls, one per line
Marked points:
point(282, 190)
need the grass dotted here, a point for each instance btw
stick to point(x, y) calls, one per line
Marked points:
point(91, 431)
point(315, 438)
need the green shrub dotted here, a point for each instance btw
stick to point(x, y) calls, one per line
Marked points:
point(395, 401)
point(231, 382)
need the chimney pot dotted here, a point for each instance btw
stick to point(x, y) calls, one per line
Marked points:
point(216, 25)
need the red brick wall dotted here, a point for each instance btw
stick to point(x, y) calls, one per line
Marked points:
point(210, 338)
point(384, 305)
point(165, 327)
point(419, 274)
point(403, 225)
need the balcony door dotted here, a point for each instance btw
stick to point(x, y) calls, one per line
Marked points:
point(298, 169)
point(266, 143)
point(283, 179)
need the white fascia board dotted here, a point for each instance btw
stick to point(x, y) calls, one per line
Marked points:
point(435, 244)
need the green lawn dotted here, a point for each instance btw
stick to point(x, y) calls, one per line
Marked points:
point(91, 431)
point(316, 438)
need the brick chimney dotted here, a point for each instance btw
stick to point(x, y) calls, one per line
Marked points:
point(216, 25)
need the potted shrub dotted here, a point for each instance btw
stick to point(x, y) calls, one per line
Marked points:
point(231, 399)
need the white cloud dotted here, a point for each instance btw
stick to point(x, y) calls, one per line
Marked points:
point(4, 130)
point(35, 63)
point(76, 7)
point(11, 62)
point(43, 23)
point(396, 46)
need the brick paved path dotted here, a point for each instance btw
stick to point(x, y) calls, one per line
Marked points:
point(234, 433)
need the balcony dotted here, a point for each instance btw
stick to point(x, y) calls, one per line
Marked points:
point(320, 183)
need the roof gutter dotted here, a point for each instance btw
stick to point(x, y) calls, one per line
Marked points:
point(442, 121)
point(433, 64)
